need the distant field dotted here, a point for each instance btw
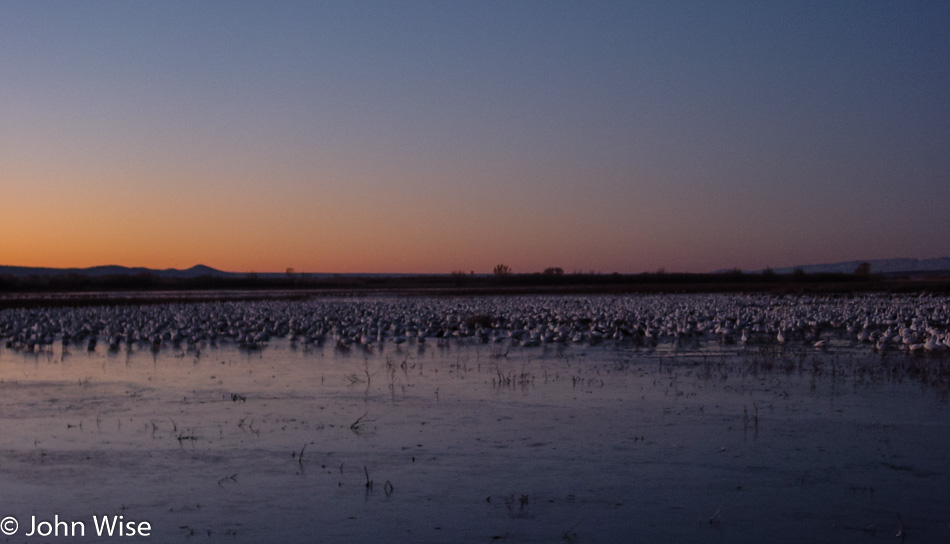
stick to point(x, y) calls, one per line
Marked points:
point(139, 289)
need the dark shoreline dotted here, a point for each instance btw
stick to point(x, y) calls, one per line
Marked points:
point(135, 291)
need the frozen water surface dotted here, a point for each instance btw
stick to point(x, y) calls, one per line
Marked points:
point(471, 437)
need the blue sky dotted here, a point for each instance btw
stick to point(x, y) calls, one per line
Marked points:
point(434, 136)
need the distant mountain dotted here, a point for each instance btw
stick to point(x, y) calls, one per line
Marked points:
point(113, 270)
point(889, 267)
point(878, 266)
point(193, 272)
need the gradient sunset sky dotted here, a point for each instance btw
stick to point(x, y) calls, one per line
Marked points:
point(405, 136)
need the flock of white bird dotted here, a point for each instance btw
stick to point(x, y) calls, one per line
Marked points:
point(913, 323)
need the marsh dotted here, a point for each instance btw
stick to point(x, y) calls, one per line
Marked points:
point(470, 438)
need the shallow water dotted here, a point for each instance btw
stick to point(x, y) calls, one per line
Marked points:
point(471, 442)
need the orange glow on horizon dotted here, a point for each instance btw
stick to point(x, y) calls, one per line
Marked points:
point(343, 224)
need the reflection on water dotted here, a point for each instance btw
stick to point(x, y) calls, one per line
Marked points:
point(474, 442)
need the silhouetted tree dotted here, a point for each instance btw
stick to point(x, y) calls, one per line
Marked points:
point(554, 271)
point(502, 270)
point(863, 269)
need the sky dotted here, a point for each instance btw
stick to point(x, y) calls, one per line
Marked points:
point(434, 136)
